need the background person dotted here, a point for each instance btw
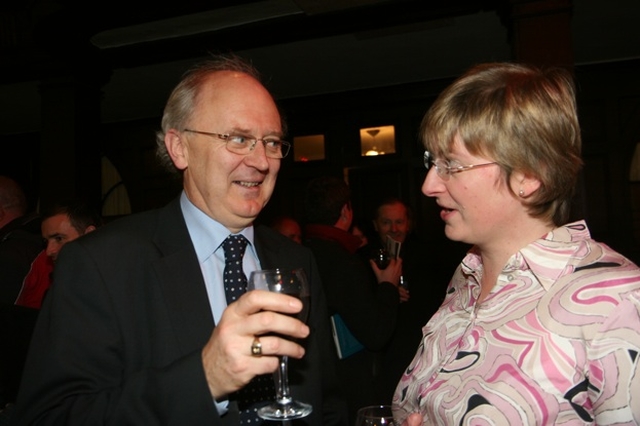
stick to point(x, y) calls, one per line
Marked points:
point(289, 227)
point(20, 240)
point(540, 324)
point(20, 243)
point(61, 223)
point(137, 328)
point(425, 275)
point(367, 302)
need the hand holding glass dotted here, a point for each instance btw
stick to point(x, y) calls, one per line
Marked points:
point(293, 283)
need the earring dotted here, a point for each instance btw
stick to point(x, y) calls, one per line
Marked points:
point(521, 193)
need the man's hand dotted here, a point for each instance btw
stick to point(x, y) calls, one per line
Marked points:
point(227, 359)
point(390, 274)
point(404, 294)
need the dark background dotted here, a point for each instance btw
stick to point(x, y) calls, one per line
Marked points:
point(81, 82)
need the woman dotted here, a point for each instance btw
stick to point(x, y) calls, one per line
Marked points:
point(540, 324)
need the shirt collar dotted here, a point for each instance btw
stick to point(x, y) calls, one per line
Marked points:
point(206, 233)
point(548, 258)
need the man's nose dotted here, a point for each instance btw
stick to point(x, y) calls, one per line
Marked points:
point(258, 155)
point(52, 249)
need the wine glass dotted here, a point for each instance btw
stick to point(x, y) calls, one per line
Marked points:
point(375, 415)
point(381, 257)
point(294, 283)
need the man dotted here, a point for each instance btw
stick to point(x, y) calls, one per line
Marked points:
point(62, 223)
point(425, 276)
point(137, 329)
point(366, 303)
point(392, 220)
point(20, 243)
point(20, 239)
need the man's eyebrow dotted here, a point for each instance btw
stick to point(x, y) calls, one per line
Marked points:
point(277, 133)
point(54, 235)
point(238, 130)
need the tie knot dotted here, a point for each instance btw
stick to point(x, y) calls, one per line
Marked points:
point(234, 247)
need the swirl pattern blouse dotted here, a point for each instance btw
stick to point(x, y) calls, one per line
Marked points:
point(556, 342)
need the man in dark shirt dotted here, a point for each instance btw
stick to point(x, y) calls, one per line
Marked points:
point(20, 243)
point(425, 275)
point(20, 240)
point(366, 302)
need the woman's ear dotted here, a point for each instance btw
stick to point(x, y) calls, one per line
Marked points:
point(524, 185)
point(176, 148)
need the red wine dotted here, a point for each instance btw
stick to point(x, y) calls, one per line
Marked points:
point(303, 315)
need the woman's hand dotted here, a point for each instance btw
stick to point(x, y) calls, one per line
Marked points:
point(414, 419)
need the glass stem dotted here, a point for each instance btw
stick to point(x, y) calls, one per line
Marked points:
point(282, 381)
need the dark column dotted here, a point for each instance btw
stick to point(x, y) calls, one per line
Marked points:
point(541, 31)
point(70, 152)
point(540, 34)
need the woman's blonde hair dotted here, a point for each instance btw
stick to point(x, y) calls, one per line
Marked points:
point(520, 116)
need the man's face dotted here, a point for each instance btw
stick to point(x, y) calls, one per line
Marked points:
point(392, 221)
point(57, 231)
point(228, 187)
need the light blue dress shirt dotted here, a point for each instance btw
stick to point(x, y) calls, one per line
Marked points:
point(207, 236)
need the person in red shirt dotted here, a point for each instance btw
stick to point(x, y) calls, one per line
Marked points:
point(61, 224)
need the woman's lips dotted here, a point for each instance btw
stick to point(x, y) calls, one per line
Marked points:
point(445, 213)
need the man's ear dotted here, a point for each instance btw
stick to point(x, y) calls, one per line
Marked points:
point(346, 217)
point(89, 229)
point(176, 148)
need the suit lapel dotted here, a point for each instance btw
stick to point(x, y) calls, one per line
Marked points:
point(266, 248)
point(181, 281)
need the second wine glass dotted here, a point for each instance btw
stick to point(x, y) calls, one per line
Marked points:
point(294, 283)
point(375, 415)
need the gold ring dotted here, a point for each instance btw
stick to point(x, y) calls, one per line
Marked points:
point(256, 347)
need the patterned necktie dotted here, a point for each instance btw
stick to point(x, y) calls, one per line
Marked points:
point(261, 388)
point(235, 281)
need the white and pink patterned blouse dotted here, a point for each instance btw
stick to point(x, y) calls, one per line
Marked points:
point(556, 342)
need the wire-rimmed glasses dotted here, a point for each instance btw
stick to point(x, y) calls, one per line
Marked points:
point(274, 147)
point(445, 168)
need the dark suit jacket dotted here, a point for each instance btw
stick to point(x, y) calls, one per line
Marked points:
point(119, 338)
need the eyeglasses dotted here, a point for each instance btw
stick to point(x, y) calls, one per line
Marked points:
point(445, 168)
point(242, 145)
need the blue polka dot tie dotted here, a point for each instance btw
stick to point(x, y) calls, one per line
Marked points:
point(261, 389)
point(235, 281)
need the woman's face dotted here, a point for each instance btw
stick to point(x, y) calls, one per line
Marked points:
point(477, 207)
